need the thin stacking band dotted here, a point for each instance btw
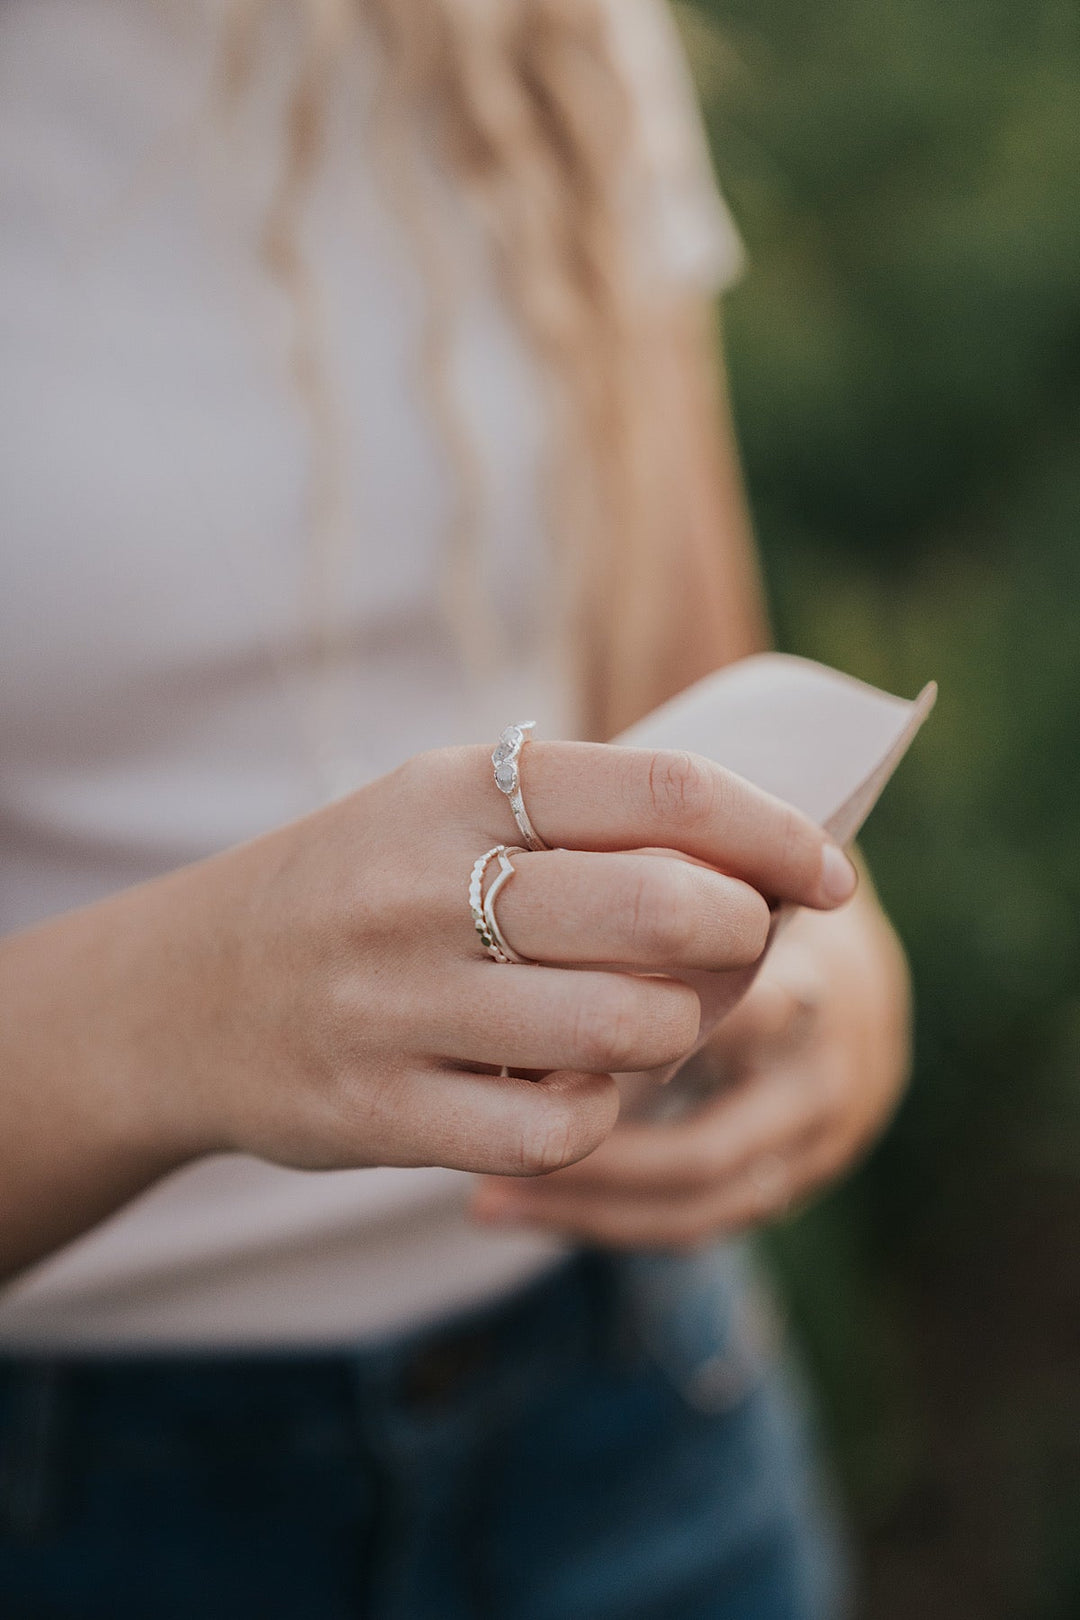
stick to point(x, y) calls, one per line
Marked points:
point(482, 907)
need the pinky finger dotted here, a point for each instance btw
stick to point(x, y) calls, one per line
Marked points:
point(499, 1124)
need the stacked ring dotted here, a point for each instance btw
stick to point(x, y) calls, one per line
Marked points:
point(482, 907)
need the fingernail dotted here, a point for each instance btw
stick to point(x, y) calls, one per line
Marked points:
point(839, 878)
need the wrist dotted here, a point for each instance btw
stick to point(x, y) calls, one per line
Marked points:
point(113, 1021)
point(86, 1118)
point(171, 983)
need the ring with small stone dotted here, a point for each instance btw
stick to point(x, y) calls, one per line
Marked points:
point(482, 906)
point(506, 759)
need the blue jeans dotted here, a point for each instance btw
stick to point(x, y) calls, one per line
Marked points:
point(614, 1443)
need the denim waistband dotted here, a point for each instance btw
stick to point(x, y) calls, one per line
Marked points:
point(323, 1401)
point(698, 1318)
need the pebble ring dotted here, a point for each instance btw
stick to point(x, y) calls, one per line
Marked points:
point(508, 779)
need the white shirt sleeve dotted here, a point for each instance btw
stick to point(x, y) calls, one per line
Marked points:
point(681, 230)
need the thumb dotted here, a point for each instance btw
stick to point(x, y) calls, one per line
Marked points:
point(777, 1010)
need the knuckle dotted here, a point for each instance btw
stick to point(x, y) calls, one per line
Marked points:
point(683, 788)
point(605, 1028)
point(658, 924)
point(634, 1024)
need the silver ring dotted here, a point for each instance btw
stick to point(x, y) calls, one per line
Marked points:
point(508, 779)
point(482, 906)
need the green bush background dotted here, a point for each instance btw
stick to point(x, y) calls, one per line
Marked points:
point(905, 362)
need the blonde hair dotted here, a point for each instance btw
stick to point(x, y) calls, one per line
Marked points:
point(524, 102)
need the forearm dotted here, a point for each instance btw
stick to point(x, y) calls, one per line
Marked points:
point(732, 620)
point(92, 1100)
point(710, 609)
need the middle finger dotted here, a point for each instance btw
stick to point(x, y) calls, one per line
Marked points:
point(554, 1018)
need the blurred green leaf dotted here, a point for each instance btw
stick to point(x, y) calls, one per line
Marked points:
point(905, 362)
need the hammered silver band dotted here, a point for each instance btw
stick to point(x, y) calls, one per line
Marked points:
point(482, 906)
point(505, 759)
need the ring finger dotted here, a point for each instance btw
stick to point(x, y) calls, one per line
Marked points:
point(637, 910)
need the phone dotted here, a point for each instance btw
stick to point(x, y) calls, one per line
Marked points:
point(820, 740)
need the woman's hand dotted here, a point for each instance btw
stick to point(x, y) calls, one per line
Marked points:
point(319, 997)
point(813, 1060)
point(358, 1010)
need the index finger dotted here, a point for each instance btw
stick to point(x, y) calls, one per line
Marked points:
point(598, 796)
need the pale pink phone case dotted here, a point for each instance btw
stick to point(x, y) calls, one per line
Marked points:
point(820, 740)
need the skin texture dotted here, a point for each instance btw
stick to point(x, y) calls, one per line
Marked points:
point(319, 997)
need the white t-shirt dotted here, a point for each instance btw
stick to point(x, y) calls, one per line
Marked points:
point(157, 679)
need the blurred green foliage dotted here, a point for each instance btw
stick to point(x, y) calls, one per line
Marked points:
point(905, 362)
